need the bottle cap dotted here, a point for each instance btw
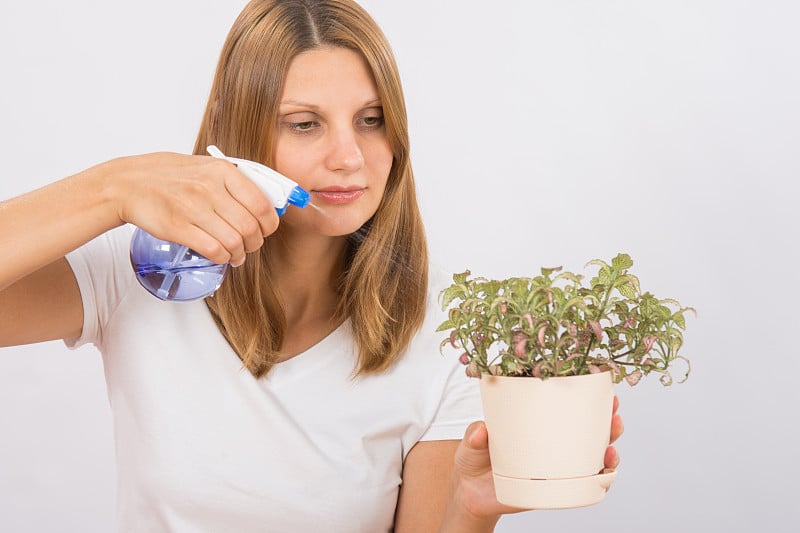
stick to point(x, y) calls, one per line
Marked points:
point(299, 197)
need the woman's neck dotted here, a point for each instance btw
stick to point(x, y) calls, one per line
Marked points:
point(306, 270)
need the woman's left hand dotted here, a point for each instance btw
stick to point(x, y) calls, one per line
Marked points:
point(473, 484)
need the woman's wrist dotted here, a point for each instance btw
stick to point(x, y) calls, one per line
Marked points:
point(459, 518)
point(460, 522)
point(107, 184)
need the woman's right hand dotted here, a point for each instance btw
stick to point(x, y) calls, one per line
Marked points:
point(200, 201)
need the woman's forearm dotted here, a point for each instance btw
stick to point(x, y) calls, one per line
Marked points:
point(43, 225)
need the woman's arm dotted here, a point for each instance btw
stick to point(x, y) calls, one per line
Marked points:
point(39, 297)
point(199, 201)
point(428, 494)
point(448, 485)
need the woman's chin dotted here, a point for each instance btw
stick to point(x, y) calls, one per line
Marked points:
point(328, 225)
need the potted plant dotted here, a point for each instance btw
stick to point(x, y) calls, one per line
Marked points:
point(548, 351)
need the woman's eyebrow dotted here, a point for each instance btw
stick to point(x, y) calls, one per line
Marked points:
point(373, 102)
point(298, 103)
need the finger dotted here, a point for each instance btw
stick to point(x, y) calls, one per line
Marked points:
point(472, 455)
point(206, 245)
point(253, 199)
point(227, 244)
point(245, 224)
point(617, 428)
point(616, 405)
point(611, 459)
point(218, 213)
point(477, 436)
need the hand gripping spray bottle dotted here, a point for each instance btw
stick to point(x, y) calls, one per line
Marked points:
point(174, 272)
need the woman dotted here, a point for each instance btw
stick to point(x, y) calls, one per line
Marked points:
point(308, 393)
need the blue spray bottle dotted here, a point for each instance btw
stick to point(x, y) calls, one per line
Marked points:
point(174, 272)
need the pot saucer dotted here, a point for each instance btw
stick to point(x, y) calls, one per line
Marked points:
point(552, 493)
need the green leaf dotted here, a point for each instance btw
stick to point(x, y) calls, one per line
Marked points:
point(632, 280)
point(446, 325)
point(547, 271)
point(451, 293)
point(604, 275)
point(597, 262)
point(622, 262)
point(460, 279)
point(627, 290)
point(574, 278)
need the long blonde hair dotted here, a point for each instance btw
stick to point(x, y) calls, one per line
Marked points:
point(383, 286)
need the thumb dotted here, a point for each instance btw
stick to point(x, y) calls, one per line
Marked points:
point(472, 456)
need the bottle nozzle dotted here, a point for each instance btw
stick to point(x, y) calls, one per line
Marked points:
point(280, 189)
point(299, 197)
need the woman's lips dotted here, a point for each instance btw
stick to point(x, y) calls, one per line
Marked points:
point(335, 195)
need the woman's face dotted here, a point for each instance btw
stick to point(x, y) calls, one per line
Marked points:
point(332, 140)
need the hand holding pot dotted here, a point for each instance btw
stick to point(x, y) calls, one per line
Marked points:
point(473, 483)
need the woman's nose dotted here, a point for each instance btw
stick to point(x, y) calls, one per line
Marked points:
point(344, 152)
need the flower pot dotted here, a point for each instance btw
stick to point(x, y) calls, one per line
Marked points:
point(547, 438)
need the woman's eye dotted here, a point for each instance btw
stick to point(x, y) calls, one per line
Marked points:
point(372, 121)
point(302, 126)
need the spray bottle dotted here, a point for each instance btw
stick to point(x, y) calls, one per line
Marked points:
point(174, 272)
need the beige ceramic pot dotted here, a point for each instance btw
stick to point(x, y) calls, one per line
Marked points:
point(547, 438)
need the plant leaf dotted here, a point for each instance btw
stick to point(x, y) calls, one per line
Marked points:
point(460, 279)
point(627, 290)
point(622, 262)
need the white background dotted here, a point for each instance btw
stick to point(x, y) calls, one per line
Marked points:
point(543, 133)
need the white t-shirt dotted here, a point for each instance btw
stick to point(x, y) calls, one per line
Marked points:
point(202, 445)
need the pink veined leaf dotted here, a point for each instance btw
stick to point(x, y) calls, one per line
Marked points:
point(594, 369)
point(529, 318)
point(472, 371)
point(649, 342)
point(520, 341)
point(629, 323)
point(503, 307)
point(634, 377)
point(537, 369)
point(519, 335)
point(540, 334)
point(597, 329)
point(464, 359)
point(573, 355)
point(453, 339)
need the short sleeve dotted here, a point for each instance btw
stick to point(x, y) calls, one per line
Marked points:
point(460, 406)
point(103, 272)
point(459, 403)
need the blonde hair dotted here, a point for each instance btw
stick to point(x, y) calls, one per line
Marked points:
point(383, 286)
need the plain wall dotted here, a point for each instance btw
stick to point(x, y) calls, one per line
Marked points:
point(543, 133)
